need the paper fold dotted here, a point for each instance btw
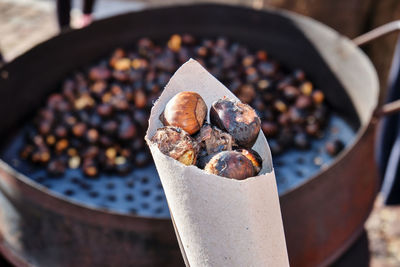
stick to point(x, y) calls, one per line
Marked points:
point(220, 221)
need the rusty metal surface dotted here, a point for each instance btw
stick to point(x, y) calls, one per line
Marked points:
point(321, 216)
point(45, 231)
point(339, 200)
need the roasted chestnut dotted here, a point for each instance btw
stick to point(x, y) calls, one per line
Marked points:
point(186, 110)
point(176, 143)
point(236, 118)
point(254, 157)
point(334, 147)
point(230, 164)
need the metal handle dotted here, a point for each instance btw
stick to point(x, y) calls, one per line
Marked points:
point(388, 109)
point(394, 26)
point(377, 32)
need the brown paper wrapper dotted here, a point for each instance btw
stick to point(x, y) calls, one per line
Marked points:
point(219, 221)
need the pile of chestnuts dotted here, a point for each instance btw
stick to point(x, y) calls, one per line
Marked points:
point(223, 147)
point(97, 120)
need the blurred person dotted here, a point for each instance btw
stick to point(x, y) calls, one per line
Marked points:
point(64, 13)
point(2, 61)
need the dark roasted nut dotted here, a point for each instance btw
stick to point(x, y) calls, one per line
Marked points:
point(69, 120)
point(140, 99)
point(61, 145)
point(99, 73)
point(26, 152)
point(320, 114)
point(84, 101)
point(79, 129)
point(188, 39)
point(110, 127)
point(98, 87)
point(280, 106)
point(111, 153)
point(262, 55)
point(303, 102)
point(176, 143)
point(258, 104)
point(50, 140)
point(246, 93)
point(72, 152)
point(270, 129)
point(104, 109)
point(122, 64)
point(54, 100)
point(92, 135)
point(301, 141)
point(118, 54)
point(296, 116)
point(238, 119)
point(290, 92)
point(91, 152)
point(41, 155)
point(334, 147)
point(254, 157)
point(44, 127)
point(299, 75)
point(230, 164)
point(268, 69)
point(56, 167)
point(312, 129)
point(285, 138)
point(175, 42)
point(318, 97)
point(89, 167)
point(60, 131)
point(38, 140)
point(121, 76)
point(186, 110)
point(306, 88)
point(284, 119)
point(126, 129)
point(142, 118)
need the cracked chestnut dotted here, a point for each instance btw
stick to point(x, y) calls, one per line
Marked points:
point(176, 143)
point(230, 164)
point(238, 119)
point(186, 110)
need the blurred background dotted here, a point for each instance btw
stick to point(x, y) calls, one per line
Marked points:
point(26, 23)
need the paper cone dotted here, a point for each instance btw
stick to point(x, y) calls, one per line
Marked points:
point(219, 221)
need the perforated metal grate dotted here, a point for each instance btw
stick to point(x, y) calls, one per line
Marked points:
point(141, 192)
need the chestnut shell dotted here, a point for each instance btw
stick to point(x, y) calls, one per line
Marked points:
point(186, 110)
point(254, 157)
point(176, 143)
point(230, 164)
point(238, 119)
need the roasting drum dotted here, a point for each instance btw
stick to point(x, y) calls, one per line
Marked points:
point(322, 216)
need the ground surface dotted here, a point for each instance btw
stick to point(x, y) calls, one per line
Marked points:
point(25, 23)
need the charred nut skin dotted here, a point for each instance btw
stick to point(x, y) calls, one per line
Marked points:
point(186, 110)
point(230, 164)
point(254, 157)
point(176, 143)
point(238, 119)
